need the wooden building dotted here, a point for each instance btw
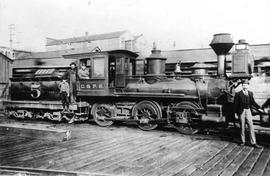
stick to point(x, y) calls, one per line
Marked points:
point(189, 57)
point(5, 74)
point(105, 41)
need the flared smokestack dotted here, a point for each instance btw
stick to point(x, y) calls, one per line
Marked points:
point(221, 44)
point(156, 63)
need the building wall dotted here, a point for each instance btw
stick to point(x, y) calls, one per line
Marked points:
point(7, 52)
point(107, 44)
point(124, 41)
point(13, 53)
point(104, 45)
point(5, 74)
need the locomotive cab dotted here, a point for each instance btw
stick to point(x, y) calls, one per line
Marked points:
point(108, 71)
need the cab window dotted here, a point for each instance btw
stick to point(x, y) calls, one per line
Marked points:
point(98, 67)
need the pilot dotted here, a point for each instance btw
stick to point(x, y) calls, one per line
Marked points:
point(243, 102)
point(83, 73)
point(64, 93)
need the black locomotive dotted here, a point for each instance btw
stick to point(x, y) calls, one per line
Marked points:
point(114, 92)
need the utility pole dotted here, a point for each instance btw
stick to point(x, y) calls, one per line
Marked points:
point(11, 27)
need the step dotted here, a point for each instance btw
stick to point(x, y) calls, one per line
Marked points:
point(39, 131)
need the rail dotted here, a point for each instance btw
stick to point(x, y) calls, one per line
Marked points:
point(37, 171)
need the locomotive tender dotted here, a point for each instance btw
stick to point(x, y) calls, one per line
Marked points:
point(115, 93)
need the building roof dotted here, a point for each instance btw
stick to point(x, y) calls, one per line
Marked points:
point(61, 58)
point(17, 50)
point(190, 55)
point(59, 53)
point(208, 55)
point(5, 57)
point(85, 38)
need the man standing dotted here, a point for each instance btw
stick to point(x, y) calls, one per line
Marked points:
point(243, 102)
point(64, 93)
point(72, 74)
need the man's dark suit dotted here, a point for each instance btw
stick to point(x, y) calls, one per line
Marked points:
point(242, 107)
point(238, 102)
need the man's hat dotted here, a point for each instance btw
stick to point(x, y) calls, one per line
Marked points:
point(72, 63)
point(245, 81)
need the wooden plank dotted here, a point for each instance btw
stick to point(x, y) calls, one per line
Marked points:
point(217, 169)
point(35, 131)
point(148, 163)
point(60, 147)
point(267, 170)
point(186, 161)
point(116, 159)
point(19, 148)
point(248, 164)
point(133, 152)
point(46, 157)
point(27, 152)
point(135, 157)
point(212, 161)
point(232, 168)
point(25, 148)
point(103, 155)
point(191, 167)
point(261, 163)
point(56, 151)
point(34, 171)
point(53, 149)
point(10, 140)
point(164, 165)
point(90, 153)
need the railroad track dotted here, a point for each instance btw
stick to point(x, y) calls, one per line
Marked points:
point(10, 170)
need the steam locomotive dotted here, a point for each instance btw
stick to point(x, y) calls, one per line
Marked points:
point(114, 92)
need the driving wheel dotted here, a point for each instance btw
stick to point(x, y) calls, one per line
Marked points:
point(144, 112)
point(185, 111)
point(101, 113)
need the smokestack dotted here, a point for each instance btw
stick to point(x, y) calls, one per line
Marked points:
point(156, 63)
point(221, 44)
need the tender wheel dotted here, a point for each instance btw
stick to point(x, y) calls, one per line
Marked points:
point(145, 111)
point(184, 113)
point(101, 113)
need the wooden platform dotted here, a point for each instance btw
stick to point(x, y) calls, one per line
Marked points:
point(128, 151)
point(40, 131)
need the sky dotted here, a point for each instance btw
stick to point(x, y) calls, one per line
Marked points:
point(187, 23)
